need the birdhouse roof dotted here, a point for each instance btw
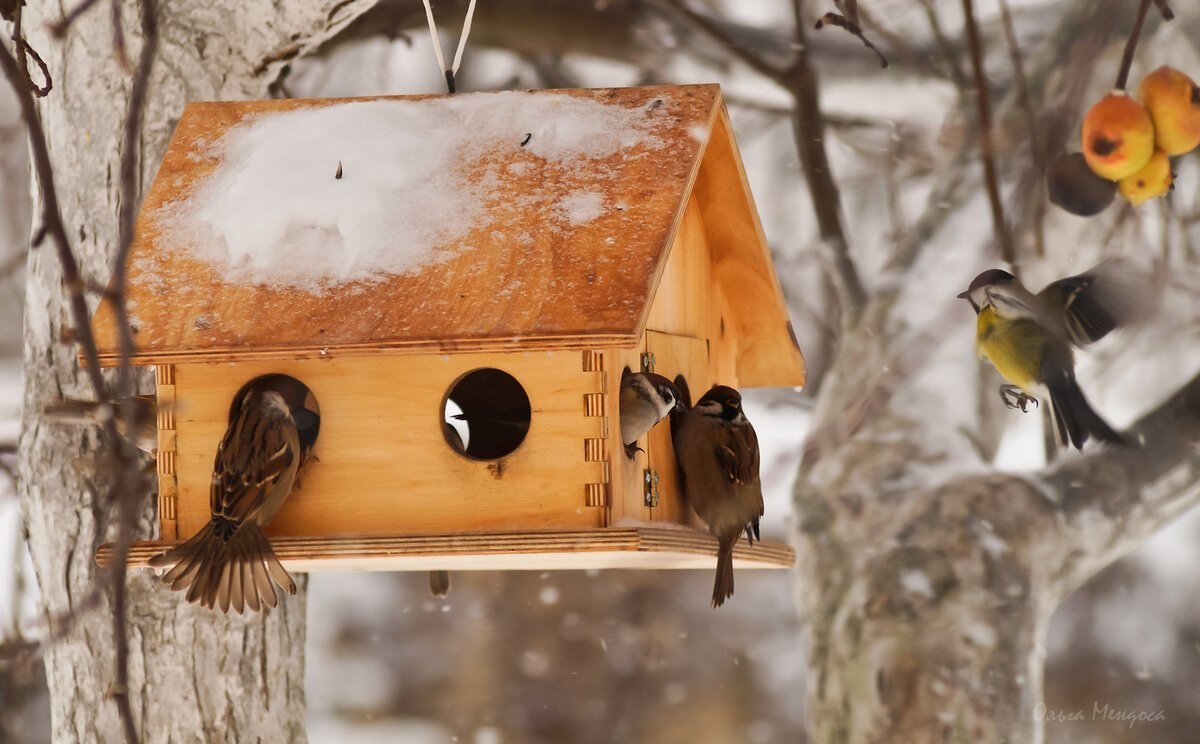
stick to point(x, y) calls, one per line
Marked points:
point(474, 222)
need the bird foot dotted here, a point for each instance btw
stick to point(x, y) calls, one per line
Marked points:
point(632, 449)
point(1014, 397)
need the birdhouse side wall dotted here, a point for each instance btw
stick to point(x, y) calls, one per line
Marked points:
point(688, 336)
point(383, 464)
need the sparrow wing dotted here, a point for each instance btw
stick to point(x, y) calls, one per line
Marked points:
point(737, 452)
point(257, 459)
point(1097, 301)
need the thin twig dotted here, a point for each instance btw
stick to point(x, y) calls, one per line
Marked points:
point(128, 487)
point(1026, 103)
point(852, 27)
point(59, 27)
point(1131, 45)
point(987, 143)
point(949, 53)
point(118, 27)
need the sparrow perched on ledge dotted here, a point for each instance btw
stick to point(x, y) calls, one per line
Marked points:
point(717, 451)
point(273, 425)
point(646, 399)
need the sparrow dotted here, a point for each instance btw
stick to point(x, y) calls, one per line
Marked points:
point(273, 425)
point(142, 431)
point(646, 399)
point(717, 452)
point(1030, 339)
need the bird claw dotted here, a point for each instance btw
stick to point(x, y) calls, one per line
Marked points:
point(1014, 397)
point(633, 449)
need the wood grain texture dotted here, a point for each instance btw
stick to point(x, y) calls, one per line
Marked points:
point(767, 353)
point(384, 465)
point(631, 547)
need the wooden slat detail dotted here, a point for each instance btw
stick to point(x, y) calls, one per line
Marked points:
point(593, 404)
point(593, 361)
point(166, 456)
point(595, 494)
point(593, 450)
point(619, 547)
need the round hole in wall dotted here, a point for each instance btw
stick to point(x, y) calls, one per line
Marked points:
point(300, 399)
point(485, 414)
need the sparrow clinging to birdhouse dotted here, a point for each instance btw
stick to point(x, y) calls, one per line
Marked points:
point(717, 451)
point(273, 425)
point(646, 399)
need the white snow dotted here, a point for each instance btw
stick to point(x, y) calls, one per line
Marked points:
point(272, 211)
point(916, 582)
point(582, 206)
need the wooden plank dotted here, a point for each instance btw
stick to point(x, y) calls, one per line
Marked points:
point(383, 463)
point(768, 354)
point(631, 547)
point(528, 278)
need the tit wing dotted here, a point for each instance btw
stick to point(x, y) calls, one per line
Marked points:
point(256, 460)
point(1097, 301)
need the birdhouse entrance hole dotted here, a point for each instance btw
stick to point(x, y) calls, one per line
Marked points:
point(303, 424)
point(485, 414)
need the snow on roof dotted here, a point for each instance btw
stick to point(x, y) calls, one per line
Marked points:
point(358, 191)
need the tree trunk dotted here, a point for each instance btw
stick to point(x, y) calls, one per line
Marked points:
point(194, 675)
point(927, 579)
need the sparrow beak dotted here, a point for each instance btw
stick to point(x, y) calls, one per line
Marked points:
point(964, 295)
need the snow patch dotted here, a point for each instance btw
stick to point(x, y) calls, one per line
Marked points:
point(917, 582)
point(358, 191)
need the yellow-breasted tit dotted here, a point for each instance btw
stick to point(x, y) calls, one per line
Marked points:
point(646, 399)
point(1029, 338)
point(273, 425)
point(717, 452)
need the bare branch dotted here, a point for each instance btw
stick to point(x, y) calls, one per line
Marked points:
point(987, 141)
point(129, 485)
point(1026, 103)
point(851, 26)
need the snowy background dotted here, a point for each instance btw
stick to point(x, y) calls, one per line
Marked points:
point(639, 656)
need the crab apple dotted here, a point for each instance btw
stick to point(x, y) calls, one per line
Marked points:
point(1150, 182)
point(1118, 136)
point(1173, 101)
point(1073, 186)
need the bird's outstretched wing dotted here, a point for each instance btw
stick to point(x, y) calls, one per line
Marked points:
point(1097, 301)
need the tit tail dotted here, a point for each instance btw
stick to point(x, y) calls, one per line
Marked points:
point(723, 584)
point(226, 566)
point(439, 583)
point(1075, 419)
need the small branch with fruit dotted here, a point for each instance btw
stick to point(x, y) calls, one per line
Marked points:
point(1128, 141)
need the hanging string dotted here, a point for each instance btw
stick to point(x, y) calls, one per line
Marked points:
point(437, 43)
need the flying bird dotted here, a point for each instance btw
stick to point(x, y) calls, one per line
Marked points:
point(273, 425)
point(646, 399)
point(718, 456)
point(1030, 339)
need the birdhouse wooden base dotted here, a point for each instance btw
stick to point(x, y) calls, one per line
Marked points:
point(612, 547)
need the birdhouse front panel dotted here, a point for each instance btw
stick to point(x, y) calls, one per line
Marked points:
point(384, 461)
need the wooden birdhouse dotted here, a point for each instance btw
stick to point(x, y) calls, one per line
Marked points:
point(461, 282)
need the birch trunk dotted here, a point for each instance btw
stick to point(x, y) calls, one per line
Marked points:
point(194, 675)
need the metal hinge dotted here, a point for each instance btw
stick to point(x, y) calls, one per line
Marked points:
point(650, 487)
point(647, 361)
